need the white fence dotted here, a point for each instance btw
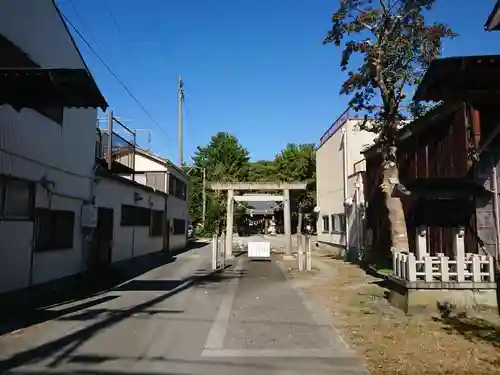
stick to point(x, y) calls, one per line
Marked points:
point(469, 268)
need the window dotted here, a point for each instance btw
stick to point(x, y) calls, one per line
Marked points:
point(338, 223)
point(341, 223)
point(333, 223)
point(179, 226)
point(156, 228)
point(326, 224)
point(54, 229)
point(133, 216)
point(177, 187)
point(16, 199)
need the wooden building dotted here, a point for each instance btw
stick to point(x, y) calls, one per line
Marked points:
point(446, 160)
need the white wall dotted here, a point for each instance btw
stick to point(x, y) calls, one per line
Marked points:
point(129, 242)
point(33, 147)
point(329, 175)
point(176, 208)
point(36, 27)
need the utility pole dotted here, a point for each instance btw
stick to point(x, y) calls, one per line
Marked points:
point(204, 196)
point(180, 99)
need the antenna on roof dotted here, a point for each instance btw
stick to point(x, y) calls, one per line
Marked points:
point(149, 134)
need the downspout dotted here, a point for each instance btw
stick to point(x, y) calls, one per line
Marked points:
point(346, 209)
point(166, 227)
point(358, 219)
point(496, 211)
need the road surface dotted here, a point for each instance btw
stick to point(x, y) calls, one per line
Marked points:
point(250, 321)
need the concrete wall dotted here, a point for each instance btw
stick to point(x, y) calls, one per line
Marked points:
point(129, 242)
point(65, 157)
point(329, 177)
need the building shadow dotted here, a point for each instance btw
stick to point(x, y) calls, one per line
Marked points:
point(191, 245)
point(21, 309)
point(471, 328)
point(64, 347)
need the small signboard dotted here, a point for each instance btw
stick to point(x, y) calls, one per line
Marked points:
point(259, 250)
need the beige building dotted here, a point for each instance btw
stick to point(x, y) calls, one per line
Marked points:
point(339, 185)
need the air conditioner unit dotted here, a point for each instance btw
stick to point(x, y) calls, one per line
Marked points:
point(89, 216)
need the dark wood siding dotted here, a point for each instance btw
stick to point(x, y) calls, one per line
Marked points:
point(437, 149)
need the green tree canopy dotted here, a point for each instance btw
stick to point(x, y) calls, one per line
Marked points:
point(395, 47)
point(297, 162)
point(262, 170)
point(224, 159)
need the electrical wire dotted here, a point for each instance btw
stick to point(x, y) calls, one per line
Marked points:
point(84, 23)
point(118, 28)
point(115, 75)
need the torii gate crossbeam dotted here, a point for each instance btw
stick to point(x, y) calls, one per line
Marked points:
point(264, 186)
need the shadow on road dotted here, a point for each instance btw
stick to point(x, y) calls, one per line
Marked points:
point(63, 347)
point(29, 307)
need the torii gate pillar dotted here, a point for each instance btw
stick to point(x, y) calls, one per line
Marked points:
point(229, 224)
point(258, 186)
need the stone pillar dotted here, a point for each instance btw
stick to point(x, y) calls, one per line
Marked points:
point(288, 222)
point(229, 224)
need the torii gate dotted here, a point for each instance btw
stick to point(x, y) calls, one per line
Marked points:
point(231, 187)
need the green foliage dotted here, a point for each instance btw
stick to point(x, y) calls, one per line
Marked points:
point(223, 159)
point(226, 160)
point(396, 47)
point(298, 163)
point(262, 170)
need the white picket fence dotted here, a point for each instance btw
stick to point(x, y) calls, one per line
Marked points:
point(469, 268)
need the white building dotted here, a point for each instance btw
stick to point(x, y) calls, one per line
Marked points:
point(61, 211)
point(41, 187)
point(339, 182)
point(150, 170)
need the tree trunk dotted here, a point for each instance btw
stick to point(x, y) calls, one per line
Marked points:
point(397, 221)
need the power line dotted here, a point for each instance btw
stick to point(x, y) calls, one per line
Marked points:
point(84, 23)
point(118, 28)
point(115, 75)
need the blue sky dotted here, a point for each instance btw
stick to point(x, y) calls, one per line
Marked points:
point(256, 69)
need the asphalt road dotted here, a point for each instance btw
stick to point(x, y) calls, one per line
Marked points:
point(250, 320)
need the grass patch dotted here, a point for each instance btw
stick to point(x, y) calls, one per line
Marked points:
point(393, 343)
point(385, 271)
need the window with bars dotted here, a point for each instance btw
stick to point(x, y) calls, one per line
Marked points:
point(326, 224)
point(177, 187)
point(134, 216)
point(338, 223)
point(179, 226)
point(156, 227)
point(54, 229)
point(16, 199)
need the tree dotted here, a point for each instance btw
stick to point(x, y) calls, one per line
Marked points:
point(297, 162)
point(396, 46)
point(262, 170)
point(224, 159)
